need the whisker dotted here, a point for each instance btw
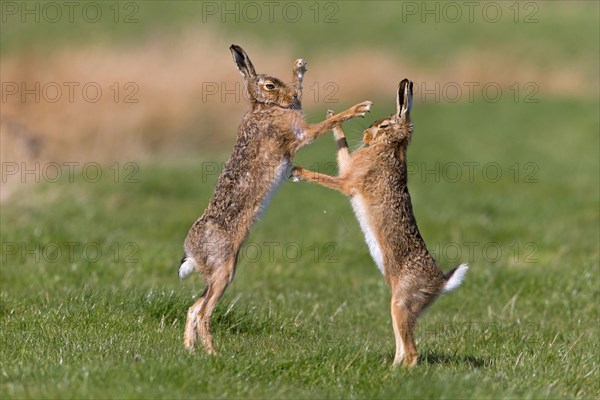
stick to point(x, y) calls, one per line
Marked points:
point(354, 131)
point(359, 146)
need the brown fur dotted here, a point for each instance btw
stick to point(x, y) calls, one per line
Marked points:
point(271, 132)
point(377, 174)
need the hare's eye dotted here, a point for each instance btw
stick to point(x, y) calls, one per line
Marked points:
point(270, 86)
point(383, 126)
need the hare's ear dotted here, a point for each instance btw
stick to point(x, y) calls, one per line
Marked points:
point(242, 61)
point(404, 98)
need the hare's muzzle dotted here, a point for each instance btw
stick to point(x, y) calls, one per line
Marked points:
point(368, 135)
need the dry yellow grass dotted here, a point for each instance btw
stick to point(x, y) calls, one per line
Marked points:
point(168, 79)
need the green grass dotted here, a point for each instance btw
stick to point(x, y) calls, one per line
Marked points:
point(555, 31)
point(317, 325)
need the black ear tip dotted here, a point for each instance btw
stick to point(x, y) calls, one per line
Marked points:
point(238, 54)
point(403, 86)
point(237, 50)
point(404, 97)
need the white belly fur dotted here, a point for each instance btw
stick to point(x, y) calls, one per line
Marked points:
point(358, 204)
point(281, 173)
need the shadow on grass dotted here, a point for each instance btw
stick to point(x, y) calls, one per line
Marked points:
point(445, 359)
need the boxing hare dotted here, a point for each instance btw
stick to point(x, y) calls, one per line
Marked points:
point(375, 179)
point(271, 132)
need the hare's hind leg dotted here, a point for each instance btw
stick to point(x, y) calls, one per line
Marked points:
point(404, 323)
point(215, 287)
point(189, 337)
point(399, 356)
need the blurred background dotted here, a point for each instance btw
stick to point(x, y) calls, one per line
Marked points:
point(115, 118)
point(132, 81)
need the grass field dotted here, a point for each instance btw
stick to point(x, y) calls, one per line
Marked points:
point(90, 302)
point(310, 319)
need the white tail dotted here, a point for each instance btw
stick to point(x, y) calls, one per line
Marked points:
point(456, 278)
point(187, 267)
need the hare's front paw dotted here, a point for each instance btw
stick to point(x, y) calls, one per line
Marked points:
point(361, 109)
point(296, 175)
point(299, 68)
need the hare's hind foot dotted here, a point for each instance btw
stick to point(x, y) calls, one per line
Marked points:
point(407, 361)
point(403, 322)
point(189, 335)
point(198, 328)
point(191, 325)
point(199, 315)
point(206, 338)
